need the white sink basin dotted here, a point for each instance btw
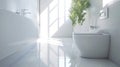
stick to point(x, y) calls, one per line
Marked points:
point(92, 45)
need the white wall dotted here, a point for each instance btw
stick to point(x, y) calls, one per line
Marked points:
point(109, 2)
point(14, 5)
point(16, 32)
point(111, 25)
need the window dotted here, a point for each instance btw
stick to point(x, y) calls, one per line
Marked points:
point(53, 15)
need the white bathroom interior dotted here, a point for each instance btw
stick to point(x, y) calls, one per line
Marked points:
point(39, 33)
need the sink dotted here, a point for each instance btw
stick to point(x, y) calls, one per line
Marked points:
point(92, 45)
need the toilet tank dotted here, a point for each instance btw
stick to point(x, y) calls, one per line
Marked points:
point(92, 45)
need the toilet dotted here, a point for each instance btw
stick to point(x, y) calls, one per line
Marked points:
point(92, 45)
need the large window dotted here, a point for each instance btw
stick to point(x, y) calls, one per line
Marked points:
point(53, 15)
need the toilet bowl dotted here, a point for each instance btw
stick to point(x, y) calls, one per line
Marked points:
point(92, 45)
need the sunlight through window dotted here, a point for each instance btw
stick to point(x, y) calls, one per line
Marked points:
point(44, 24)
point(53, 17)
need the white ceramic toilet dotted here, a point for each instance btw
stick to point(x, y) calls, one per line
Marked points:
point(92, 45)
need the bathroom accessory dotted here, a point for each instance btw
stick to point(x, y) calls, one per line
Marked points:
point(93, 27)
point(23, 12)
point(104, 13)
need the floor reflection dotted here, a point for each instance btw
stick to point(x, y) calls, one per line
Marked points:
point(55, 52)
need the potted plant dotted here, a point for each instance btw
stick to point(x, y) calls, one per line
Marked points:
point(78, 11)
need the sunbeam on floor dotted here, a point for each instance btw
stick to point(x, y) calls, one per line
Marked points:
point(53, 53)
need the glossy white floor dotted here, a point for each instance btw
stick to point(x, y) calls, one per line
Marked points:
point(55, 52)
point(51, 53)
point(48, 53)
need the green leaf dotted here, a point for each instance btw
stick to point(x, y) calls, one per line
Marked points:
point(77, 9)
